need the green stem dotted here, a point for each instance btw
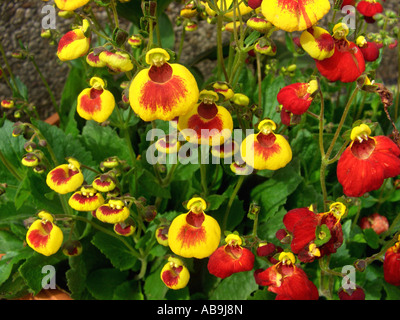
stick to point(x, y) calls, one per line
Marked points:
point(181, 44)
point(10, 167)
point(114, 10)
point(230, 202)
point(221, 63)
point(52, 98)
point(14, 86)
point(102, 229)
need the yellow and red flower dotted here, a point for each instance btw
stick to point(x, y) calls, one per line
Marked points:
point(369, 49)
point(318, 43)
point(163, 91)
point(72, 248)
point(347, 63)
point(104, 183)
point(86, 199)
point(231, 258)
point(367, 162)
point(315, 235)
point(162, 235)
point(391, 264)
point(266, 150)
point(75, 43)
point(94, 61)
point(168, 144)
point(174, 274)
point(66, 177)
point(125, 228)
point(287, 280)
point(116, 61)
point(207, 123)
point(369, 8)
point(194, 234)
point(70, 5)
point(294, 15)
point(227, 5)
point(113, 212)
point(95, 103)
point(7, 104)
point(44, 236)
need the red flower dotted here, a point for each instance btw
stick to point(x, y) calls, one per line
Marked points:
point(391, 265)
point(367, 162)
point(369, 49)
point(287, 280)
point(351, 294)
point(369, 8)
point(375, 221)
point(231, 258)
point(347, 62)
point(297, 97)
point(315, 235)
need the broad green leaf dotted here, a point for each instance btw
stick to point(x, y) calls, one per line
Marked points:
point(102, 283)
point(167, 33)
point(270, 87)
point(154, 288)
point(129, 290)
point(372, 238)
point(103, 142)
point(32, 269)
point(238, 286)
point(115, 250)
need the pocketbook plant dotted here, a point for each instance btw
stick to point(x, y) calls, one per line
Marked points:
point(264, 177)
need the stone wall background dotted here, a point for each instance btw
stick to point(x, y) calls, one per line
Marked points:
point(21, 20)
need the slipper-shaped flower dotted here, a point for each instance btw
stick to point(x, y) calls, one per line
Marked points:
point(318, 43)
point(66, 177)
point(75, 43)
point(207, 123)
point(116, 61)
point(70, 5)
point(175, 274)
point(95, 103)
point(230, 258)
point(44, 236)
point(294, 15)
point(86, 199)
point(266, 150)
point(194, 234)
point(163, 91)
point(113, 212)
point(367, 162)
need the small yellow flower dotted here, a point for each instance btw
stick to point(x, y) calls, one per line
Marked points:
point(74, 44)
point(95, 103)
point(44, 236)
point(70, 5)
point(87, 199)
point(113, 212)
point(66, 177)
point(174, 274)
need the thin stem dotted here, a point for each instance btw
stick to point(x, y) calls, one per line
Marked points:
point(221, 63)
point(181, 44)
point(259, 80)
point(52, 98)
point(14, 86)
point(342, 120)
point(230, 202)
point(114, 10)
point(102, 229)
point(10, 167)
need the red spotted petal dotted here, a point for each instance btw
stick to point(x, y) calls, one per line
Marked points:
point(40, 237)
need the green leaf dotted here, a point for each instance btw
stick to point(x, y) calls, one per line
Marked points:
point(31, 270)
point(372, 238)
point(118, 254)
point(103, 142)
point(102, 283)
point(154, 288)
point(238, 286)
point(167, 33)
point(129, 290)
point(273, 193)
point(270, 87)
